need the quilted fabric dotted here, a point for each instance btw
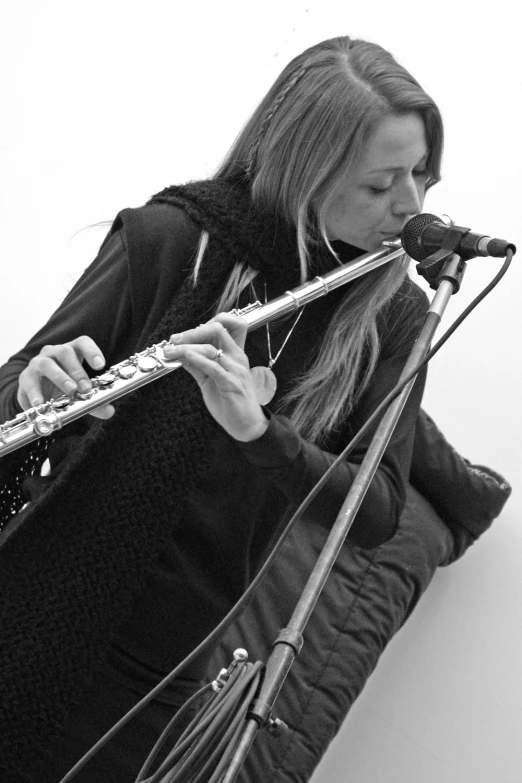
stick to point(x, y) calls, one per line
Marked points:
point(368, 597)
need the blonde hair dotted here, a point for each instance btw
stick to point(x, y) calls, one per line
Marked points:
point(306, 135)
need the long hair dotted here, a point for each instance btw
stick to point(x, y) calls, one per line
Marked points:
point(306, 135)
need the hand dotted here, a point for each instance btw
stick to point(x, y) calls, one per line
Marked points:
point(213, 354)
point(58, 370)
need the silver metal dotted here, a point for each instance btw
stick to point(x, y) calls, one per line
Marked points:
point(394, 242)
point(147, 363)
point(220, 680)
point(446, 289)
point(150, 364)
point(284, 650)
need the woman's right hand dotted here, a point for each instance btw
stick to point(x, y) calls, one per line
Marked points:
point(58, 370)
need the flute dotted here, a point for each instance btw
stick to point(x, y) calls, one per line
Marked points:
point(150, 364)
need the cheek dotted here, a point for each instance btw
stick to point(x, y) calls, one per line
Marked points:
point(339, 214)
point(342, 206)
point(357, 211)
point(356, 216)
point(374, 211)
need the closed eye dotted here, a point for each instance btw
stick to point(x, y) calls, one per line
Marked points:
point(375, 190)
point(418, 174)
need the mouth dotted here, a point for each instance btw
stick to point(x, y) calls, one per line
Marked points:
point(390, 234)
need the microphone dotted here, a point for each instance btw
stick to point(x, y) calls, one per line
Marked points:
point(424, 234)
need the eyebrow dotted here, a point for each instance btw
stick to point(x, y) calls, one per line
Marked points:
point(424, 159)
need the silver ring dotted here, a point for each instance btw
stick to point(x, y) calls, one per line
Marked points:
point(219, 354)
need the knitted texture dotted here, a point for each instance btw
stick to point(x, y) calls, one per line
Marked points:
point(71, 570)
point(15, 471)
point(248, 233)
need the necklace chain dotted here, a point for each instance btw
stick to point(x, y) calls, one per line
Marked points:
point(272, 360)
point(263, 379)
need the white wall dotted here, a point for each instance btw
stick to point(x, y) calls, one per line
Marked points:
point(105, 103)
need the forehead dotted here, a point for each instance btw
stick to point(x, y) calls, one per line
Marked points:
point(398, 142)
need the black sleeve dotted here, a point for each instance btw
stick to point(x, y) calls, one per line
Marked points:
point(296, 465)
point(117, 300)
point(98, 305)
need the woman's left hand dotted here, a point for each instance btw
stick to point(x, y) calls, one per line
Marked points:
point(213, 354)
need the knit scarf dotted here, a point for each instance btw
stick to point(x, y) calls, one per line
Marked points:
point(71, 572)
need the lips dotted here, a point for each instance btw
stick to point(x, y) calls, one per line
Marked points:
point(390, 234)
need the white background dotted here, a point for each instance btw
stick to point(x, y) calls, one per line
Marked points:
point(105, 103)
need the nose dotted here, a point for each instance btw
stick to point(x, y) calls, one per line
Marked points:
point(409, 199)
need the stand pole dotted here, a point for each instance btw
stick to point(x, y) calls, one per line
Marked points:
point(289, 641)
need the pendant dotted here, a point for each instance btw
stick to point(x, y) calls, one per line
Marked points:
point(265, 384)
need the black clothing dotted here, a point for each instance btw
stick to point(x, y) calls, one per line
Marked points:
point(234, 501)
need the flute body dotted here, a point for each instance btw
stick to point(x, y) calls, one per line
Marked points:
point(151, 364)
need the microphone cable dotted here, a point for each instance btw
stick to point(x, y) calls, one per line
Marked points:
point(239, 606)
point(209, 741)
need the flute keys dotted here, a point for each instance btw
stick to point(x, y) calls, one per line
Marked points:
point(61, 403)
point(106, 380)
point(147, 363)
point(127, 371)
point(86, 395)
point(45, 424)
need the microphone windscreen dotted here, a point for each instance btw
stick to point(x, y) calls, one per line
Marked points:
point(412, 233)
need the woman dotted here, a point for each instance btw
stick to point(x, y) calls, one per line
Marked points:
point(152, 523)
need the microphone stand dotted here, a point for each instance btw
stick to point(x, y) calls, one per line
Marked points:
point(290, 639)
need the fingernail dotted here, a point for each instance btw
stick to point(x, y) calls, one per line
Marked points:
point(69, 386)
point(175, 338)
point(97, 362)
point(84, 385)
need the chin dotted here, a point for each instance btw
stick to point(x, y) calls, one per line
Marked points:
point(370, 245)
point(364, 243)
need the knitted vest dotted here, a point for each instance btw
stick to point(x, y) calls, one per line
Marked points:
point(71, 571)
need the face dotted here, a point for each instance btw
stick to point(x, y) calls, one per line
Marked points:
point(386, 188)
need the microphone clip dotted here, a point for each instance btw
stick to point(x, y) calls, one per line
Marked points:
point(432, 268)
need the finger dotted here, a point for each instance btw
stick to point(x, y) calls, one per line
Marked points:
point(202, 357)
point(217, 333)
point(207, 361)
point(236, 326)
point(88, 350)
point(70, 356)
point(30, 392)
point(60, 365)
point(25, 401)
point(103, 412)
